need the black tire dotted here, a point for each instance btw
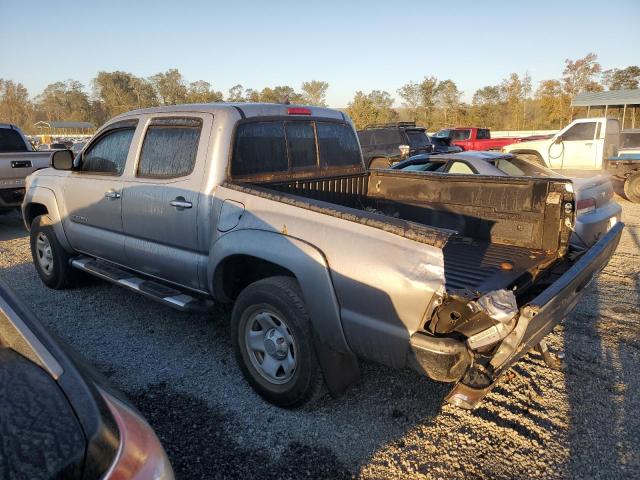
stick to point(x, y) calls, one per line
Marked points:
point(282, 297)
point(379, 162)
point(60, 275)
point(632, 188)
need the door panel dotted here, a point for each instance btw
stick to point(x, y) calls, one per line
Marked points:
point(94, 221)
point(578, 149)
point(93, 194)
point(161, 199)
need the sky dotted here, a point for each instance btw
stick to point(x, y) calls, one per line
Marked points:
point(353, 45)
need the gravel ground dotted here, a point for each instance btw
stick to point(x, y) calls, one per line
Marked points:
point(179, 370)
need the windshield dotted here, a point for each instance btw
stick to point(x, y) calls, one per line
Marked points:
point(442, 134)
point(518, 167)
point(417, 139)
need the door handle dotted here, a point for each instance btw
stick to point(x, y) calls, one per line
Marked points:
point(112, 194)
point(180, 203)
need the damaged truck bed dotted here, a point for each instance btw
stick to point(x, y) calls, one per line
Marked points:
point(505, 244)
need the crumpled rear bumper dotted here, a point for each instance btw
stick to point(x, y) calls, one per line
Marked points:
point(450, 360)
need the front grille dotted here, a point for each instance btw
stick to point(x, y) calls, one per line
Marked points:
point(12, 195)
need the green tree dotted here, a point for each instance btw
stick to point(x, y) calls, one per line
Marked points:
point(280, 94)
point(201, 92)
point(581, 75)
point(487, 107)
point(169, 87)
point(64, 101)
point(15, 106)
point(121, 91)
point(420, 98)
point(236, 94)
point(315, 93)
point(375, 107)
point(550, 104)
point(516, 91)
point(447, 97)
point(622, 78)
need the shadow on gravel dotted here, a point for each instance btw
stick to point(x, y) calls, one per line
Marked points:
point(200, 448)
point(601, 381)
point(11, 226)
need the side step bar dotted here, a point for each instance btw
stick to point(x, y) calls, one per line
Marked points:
point(157, 291)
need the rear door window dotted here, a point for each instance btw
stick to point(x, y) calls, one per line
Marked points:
point(170, 147)
point(483, 134)
point(387, 137)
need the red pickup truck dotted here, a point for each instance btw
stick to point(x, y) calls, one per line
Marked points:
point(472, 138)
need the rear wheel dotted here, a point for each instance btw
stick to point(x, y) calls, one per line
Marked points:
point(632, 188)
point(272, 339)
point(50, 259)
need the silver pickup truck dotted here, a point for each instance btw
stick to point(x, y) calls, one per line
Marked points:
point(270, 207)
point(17, 161)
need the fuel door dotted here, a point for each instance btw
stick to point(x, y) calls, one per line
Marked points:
point(230, 215)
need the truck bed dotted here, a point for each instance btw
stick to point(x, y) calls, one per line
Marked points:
point(495, 232)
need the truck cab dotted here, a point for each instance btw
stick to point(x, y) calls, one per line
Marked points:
point(581, 145)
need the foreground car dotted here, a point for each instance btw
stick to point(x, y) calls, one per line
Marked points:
point(59, 419)
point(596, 210)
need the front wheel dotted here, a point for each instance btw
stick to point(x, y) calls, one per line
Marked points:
point(632, 188)
point(50, 259)
point(272, 339)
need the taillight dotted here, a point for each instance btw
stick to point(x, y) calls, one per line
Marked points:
point(298, 111)
point(140, 456)
point(585, 205)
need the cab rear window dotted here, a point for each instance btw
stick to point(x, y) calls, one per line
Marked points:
point(281, 146)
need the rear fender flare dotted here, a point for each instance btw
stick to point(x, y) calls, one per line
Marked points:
point(305, 261)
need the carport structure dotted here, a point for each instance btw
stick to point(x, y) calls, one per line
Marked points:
point(65, 128)
point(620, 101)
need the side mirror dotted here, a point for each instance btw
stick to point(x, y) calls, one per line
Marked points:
point(62, 160)
point(404, 151)
point(558, 139)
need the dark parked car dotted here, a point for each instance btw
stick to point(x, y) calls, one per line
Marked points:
point(59, 418)
point(387, 143)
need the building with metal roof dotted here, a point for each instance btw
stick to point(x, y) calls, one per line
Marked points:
point(65, 127)
point(612, 99)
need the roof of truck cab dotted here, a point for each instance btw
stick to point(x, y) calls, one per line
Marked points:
point(247, 109)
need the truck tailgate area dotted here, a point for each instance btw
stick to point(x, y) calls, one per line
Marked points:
point(483, 267)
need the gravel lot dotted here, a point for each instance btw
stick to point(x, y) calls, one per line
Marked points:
point(179, 370)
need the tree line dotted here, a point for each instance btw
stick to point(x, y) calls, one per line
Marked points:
point(510, 105)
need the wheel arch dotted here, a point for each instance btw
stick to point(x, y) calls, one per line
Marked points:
point(42, 201)
point(279, 254)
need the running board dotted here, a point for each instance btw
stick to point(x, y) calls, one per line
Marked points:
point(156, 291)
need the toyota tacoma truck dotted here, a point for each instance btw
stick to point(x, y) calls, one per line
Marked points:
point(17, 161)
point(271, 208)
